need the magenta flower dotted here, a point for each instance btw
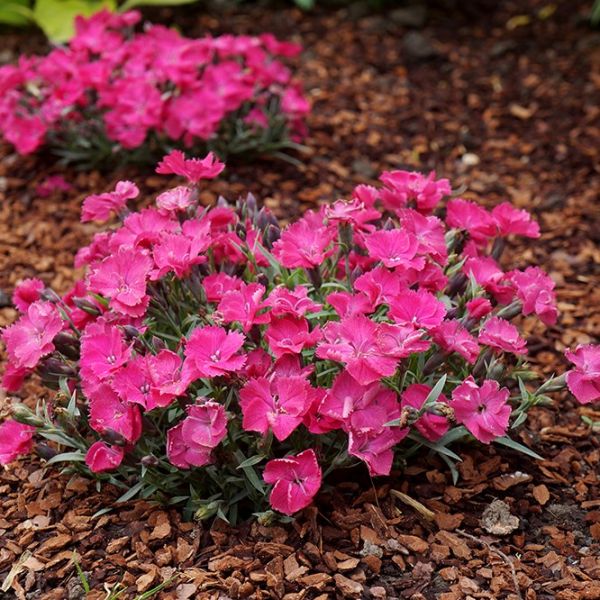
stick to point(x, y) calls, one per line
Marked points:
point(133, 382)
point(15, 440)
point(486, 273)
point(193, 169)
point(244, 306)
point(472, 218)
point(258, 364)
point(353, 342)
point(30, 338)
point(294, 302)
point(511, 220)
point(303, 245)
point(290, 335)
point(141, 230)
point(403, 187)
point(177, 199)
point(183, 455)
point(98, 207)
point(453, 337)
point(484, 410)
point(354, 213)
point(51, 185)
point(376, 449)
point(502, 335)
point(278, 405)
point(584, 379)
point(429, 425)
point(429, 233)
point(109, 413)
point(103, 351)
point(13, 377)
point(177, 253)
point(166, 378)
point(478, 307)
point(395, 248)
point(536, 291)
point(295, 479)
point(122, 278)
point(218, 284)
point(417, 308)
point(205, 424)
point(26, 293)
point(212, 352)
point(101, 457)
point(346, 304)
point(359, 408)
point(380, 285)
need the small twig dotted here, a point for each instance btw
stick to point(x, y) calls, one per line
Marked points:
point(501, 554)
point(420, 508)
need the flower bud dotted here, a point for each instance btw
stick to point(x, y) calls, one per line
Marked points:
point(149, 460)
point(510, 311)
point(86, 306)
point(50, 295)
point(23, 414)
point(45, 451)
point(114, 438)
point(272, 234)
point(67, 344)
point(130, 332)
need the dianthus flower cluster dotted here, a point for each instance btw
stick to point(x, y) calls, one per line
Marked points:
point(111, 89)
point(209, 355)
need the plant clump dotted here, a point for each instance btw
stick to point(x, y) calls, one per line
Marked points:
point(210, 358)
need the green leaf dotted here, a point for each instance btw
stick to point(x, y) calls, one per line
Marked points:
point(16, 13)
point(131, 492)
point(506, 441)
point(250, 462)
point(305, 4)
point(56, 17)
point(77, 456)
point(436, 391)
point(129, 4)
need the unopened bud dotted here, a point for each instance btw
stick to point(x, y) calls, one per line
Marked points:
point(50, 295)
point(67, 344)
point(45, 451)
point(114, 438)
point(240, 229)
point(86, 306)
point(149, 460)
point(251, 205)
point(272, 234)
point(356, 273)
point(23, 414)
point(510, 311)
point(54, 368)
point(130, 332)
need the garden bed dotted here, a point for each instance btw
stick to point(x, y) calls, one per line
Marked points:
point(509, 108)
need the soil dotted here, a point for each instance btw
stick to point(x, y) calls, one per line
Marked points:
point(502, 98)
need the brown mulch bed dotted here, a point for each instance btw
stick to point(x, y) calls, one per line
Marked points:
point(503, 99)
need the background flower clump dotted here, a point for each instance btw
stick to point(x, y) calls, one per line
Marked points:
point(115, 95)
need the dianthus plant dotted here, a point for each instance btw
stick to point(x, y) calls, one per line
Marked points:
point(111, 89)
point(212, 359)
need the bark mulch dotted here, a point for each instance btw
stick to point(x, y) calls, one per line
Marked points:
point(502, 98)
